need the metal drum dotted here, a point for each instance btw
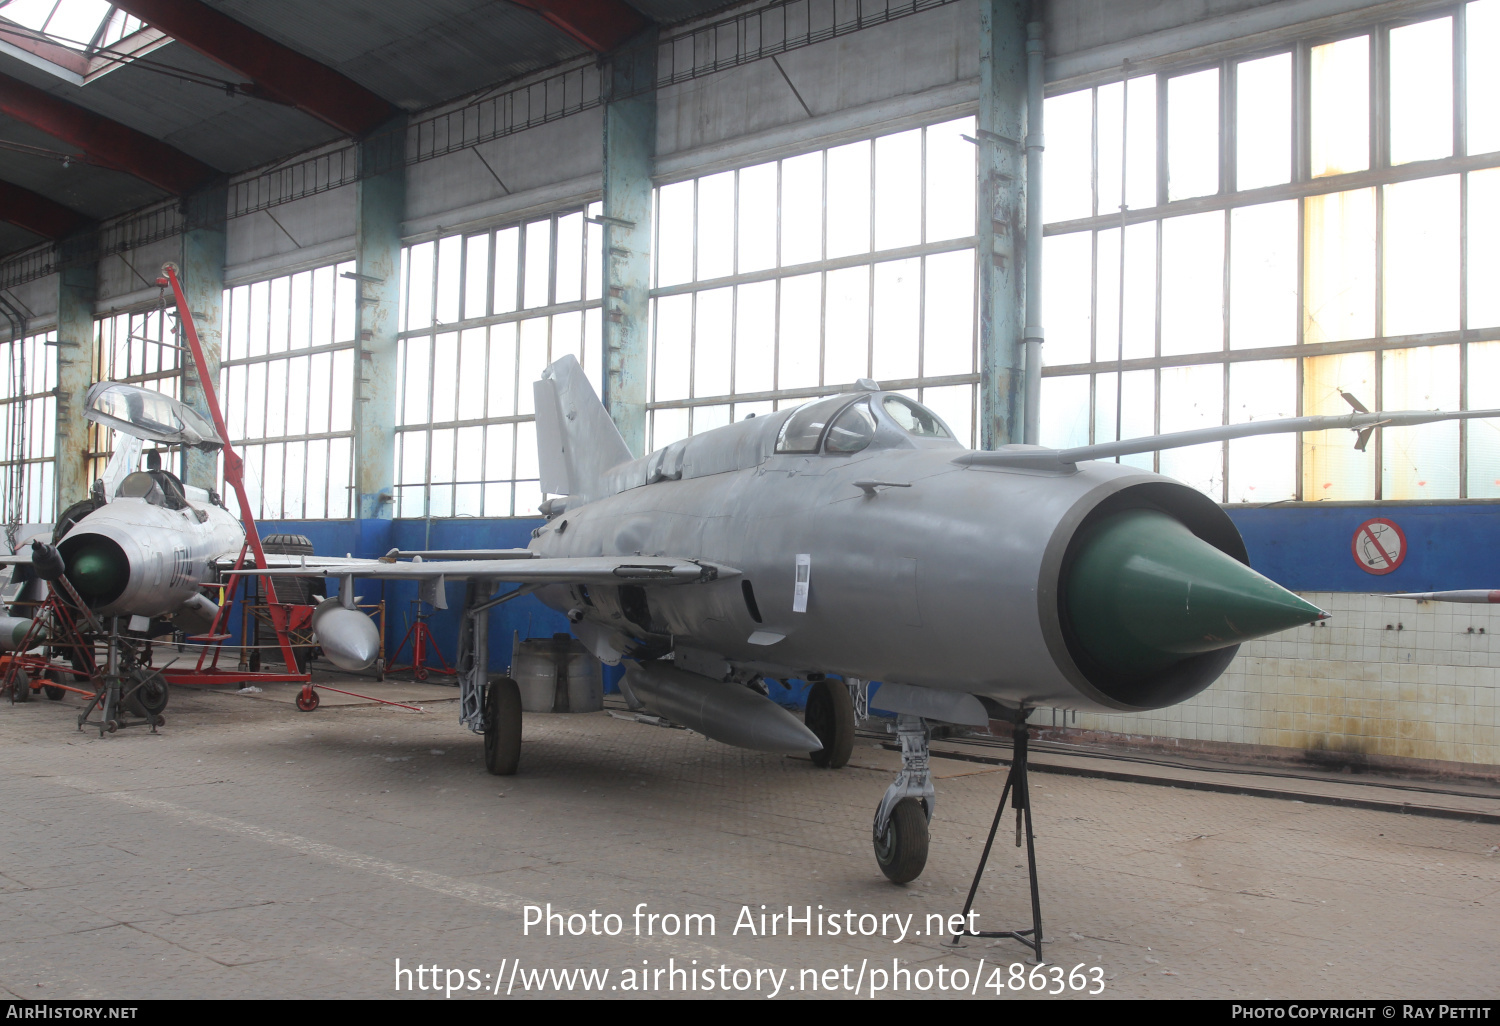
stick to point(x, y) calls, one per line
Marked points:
point(557, 674)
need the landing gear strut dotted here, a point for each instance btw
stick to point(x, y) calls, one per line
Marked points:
point(1018, 789)
point(900, 831)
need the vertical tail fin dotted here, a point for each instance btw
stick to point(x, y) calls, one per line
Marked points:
point(576, 440)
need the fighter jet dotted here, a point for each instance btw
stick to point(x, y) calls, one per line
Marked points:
point(142, 547)
point(855, 537)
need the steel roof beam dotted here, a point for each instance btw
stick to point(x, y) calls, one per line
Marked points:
point(600, 25)
point(283, 73)
point(38, 214)
point(102, 141)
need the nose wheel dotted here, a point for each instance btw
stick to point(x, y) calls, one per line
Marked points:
point(900, 831)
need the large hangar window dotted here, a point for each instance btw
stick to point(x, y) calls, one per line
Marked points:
point(789, 279)
point(286, 383)
point(28, 427)
point(1246, 239)
point(138, 348)
point(481, 316)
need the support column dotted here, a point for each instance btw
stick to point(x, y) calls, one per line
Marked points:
point(629, 154)
point(1001, 220)
point(380, 207)
point(202, 275)
point(76, 284)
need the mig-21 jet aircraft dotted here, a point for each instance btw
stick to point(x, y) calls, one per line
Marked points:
point(855, 537)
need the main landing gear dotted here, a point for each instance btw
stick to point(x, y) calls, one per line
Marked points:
point(900, 831)
point(830, 715)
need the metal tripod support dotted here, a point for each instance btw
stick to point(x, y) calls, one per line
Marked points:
point(1018, 790)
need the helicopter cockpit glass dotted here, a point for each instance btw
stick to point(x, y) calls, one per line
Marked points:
point(804, 428)
point(142, 413)
point(852, 430)
point(916, 419)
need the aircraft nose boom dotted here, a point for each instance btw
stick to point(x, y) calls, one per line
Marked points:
point(1144, 592)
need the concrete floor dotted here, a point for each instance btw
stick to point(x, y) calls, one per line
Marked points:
point(252, 850)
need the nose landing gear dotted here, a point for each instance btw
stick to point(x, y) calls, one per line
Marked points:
point(900, 832)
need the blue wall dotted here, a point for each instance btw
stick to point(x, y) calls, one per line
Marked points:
point(1309, 547)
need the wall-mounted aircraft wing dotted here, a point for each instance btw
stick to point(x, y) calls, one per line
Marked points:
point(142, 413)
point(595, 570)
point(1038, 458)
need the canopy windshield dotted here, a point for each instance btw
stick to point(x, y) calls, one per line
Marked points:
point(142, 413)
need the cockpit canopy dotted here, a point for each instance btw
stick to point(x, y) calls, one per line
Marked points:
point(142, 413)
point(848, 424)
point(158, 487)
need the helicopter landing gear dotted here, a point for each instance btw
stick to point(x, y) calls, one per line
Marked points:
point(900, 832)
point(830, 715)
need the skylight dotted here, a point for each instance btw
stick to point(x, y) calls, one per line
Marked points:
point(77, 40)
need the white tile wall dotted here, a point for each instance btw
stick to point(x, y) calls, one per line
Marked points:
point(1427, 690)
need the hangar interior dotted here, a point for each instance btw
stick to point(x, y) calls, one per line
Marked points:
point(390, 219)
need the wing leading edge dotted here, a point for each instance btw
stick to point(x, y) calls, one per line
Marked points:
point(598, 570)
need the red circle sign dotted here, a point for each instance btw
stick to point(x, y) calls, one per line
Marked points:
point(1379, 546)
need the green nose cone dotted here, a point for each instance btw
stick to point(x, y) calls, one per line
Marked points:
point(96, 571)
point(1144, 592)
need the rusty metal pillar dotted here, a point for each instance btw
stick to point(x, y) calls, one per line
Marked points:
point(202, 277)
point(629, 153)
point(380, 207)
point(1001, 227)
point(76, 283)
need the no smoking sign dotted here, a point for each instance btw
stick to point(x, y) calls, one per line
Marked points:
point(1379, 546)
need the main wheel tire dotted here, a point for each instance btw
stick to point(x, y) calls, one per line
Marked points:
point(830, 715)
point(20, 687)
point(502, 726)
point(54, 693)
point(902, 851)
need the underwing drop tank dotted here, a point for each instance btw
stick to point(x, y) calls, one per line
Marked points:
point(730, 713)
point(349, 639)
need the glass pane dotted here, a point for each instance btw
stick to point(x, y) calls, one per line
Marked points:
point(419, 286)
point(1263, 276)
point(711, 345)
point(281, 306)
point(955, 404)
point(755, 337)
point(716, 226)
point(318, 485)
point(898, 190)
point(1193, 397)
point(849, 199)
point(950, 180)
point(538, 262)
point(1421, 96)
point(1420, 462)
point(569, 287)
point(476, 275)
point(1065, 411)
point(260, 326)
point(1262, 468)
point(757, 238)
point(674, 337)
point(706, 418)
point(1140, 174)
point(567, 335)
point(255, 401)
point(301, 310)
point(507, 269)
point(1138, 293)
point(322, 306)
point(526, 454)
point(499, 455)
point(471, 374)
point(1332, 469)
point(846, 326)
point(531, 361)
point(342, 408)
point(296, 400)
point(1421, 256)
point(798, 344)
point(801, 209)
point(668, 426)
point(1340, 245)
point(898, 308)
point(296, 470)
point(1192, 285)
point(238, 320)
point(441, 459)
point(1066, 294)
point(1193, 134)
point(415, 382)
point(319, 392)
point(502, 384)
point(1484, 248)
point(674, 240)
point(444, 377)
point(1341, 107)
point(1484, 435)
point(948, 315)
point(449, 271)
point(340, 477)
point(413, 446)
point(1482, 39)
point(1263, 126)
point(1138, 403)
point(1068, 170)
point(344, 302)
point(593, 254)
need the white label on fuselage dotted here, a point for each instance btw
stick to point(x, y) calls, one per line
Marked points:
point(804, 576)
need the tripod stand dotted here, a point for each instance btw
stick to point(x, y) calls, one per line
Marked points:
point(420, 636)
point(1018, 789)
